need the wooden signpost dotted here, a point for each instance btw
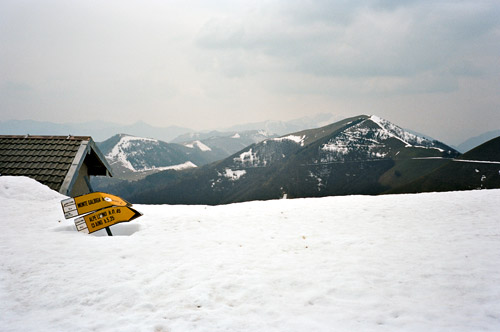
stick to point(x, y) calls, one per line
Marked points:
point(73, 207)
point(106, 217)
point(99, 210)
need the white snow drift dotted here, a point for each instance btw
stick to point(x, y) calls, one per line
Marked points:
point(427, 262)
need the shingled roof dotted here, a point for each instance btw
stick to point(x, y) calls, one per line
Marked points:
point(52, 160)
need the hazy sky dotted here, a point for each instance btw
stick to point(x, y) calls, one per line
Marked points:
point(429, 65)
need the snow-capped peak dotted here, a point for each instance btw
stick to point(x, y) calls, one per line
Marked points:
point(126, 146)
point(369, 139)
point(125, 142)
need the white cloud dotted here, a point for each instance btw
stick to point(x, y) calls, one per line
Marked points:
point(405, 41)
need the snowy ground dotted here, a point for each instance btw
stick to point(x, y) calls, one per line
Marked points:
point(427, 262)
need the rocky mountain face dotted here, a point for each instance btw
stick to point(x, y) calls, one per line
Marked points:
point(359, 155)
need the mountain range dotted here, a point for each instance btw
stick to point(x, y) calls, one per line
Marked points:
point(358, 155)
point(285, 127)
point(477, 140)
point(101, 130)
point(226, 143)
point(133, 158)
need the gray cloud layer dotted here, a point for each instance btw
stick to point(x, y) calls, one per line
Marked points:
point(428, 65)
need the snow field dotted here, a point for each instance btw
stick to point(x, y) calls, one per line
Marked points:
point(358, 263)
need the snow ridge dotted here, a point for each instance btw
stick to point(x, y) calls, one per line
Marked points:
point(269, 151)
point(391, 130)
point(130, 146)
point(186, 165)
point(199, 145)
point(297, 139)
point(132, 153)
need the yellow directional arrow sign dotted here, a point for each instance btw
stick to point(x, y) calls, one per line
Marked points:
point(73, 207)
point(104, 218)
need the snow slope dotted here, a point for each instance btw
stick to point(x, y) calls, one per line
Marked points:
point(139, 154)
point(128, 146)
point(426, 262)
point(199, 145)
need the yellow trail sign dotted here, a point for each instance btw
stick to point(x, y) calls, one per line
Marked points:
point(73, 207)
point(104, 218)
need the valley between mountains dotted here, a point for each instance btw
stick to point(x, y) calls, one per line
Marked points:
point(359, 155)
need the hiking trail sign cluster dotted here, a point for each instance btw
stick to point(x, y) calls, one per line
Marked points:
point(98, 210)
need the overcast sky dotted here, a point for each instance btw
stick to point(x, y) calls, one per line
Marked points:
point(430, 65)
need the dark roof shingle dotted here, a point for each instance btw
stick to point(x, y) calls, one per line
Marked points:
point(47, 159)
